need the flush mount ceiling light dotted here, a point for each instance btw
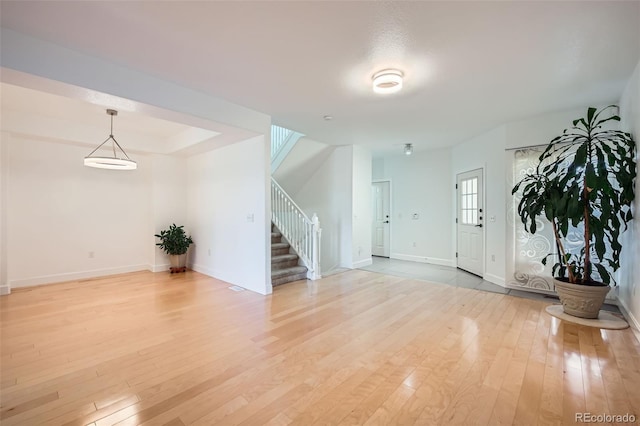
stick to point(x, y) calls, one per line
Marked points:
point(112, 163)
point(387, 81)
point(408, 149)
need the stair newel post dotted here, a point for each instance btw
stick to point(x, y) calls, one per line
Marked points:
point(315, 253)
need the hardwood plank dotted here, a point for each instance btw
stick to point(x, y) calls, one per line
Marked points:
point(551, 401)
point(353, 348)
point(573, 396)
point(595, 398)
point(27, 405)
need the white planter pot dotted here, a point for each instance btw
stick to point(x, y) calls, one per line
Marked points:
point(582, 301)
point(178, 262)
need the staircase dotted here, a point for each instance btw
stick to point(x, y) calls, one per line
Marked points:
point(295, 238)
point(285, 266)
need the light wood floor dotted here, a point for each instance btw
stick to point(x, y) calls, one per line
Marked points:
point(354, 348)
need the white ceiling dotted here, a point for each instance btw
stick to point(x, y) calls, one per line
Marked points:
point(50, 116)
point(469, 66)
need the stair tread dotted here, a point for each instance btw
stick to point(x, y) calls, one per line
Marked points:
point(276, 234)
point(294, 270)
point(279, 245)
point(283, 257)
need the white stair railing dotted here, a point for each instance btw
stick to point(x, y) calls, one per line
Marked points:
point(279, 136)
point(302, 233)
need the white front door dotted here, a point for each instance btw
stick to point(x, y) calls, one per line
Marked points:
point(381, 220)
point(469, 220)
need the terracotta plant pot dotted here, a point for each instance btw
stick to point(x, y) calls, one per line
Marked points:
point(582, 301)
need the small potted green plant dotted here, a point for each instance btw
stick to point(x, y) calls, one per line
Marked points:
point(584, 186)
point(175, 242)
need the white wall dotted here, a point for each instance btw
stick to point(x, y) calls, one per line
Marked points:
point(629, 291)
point(4, 168)
point(227, 214)
point(487, 152)
point(540, 129)
point(328, 193)
point(377, 168)
point(169, 201)
point(304, 159)
point(361, 207)
point(420, 184)
point(58, 212)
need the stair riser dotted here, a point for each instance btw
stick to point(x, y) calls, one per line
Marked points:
point(280, 251)
point(288, 279)
point(284, 264)
point(275, 239)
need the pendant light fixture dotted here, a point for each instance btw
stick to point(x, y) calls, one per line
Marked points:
point(113, 163)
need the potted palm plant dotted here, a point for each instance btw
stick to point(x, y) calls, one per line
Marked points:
point(584, 186)
point(175, 242)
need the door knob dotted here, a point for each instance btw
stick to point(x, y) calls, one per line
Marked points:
point(479, 226)
point(386, 221)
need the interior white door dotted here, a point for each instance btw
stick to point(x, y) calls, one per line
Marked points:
point(469, 222)
point(381, 219)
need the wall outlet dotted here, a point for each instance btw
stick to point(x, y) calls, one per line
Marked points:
point(493, 257)
point(91, 255)
point(209, 251)
point(414, 244)
point(415, 216)
point(250, 217)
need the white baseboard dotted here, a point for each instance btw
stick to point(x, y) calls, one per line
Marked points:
point(202, 269)
point(635, 324)
point(361, 263)
point(423, 259)
point(333, 271)
point(5, 289)
point(495, 279)
point(212, 273)
point(72, 276)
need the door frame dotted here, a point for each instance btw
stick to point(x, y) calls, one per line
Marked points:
point(390, 212)
point(484, 207)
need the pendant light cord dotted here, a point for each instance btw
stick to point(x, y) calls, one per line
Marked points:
point(113, 144)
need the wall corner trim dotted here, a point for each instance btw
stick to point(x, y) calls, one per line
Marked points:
point(361, 263)
point(495, 279)
point(159, 268)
